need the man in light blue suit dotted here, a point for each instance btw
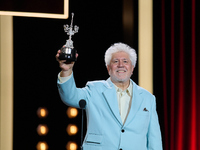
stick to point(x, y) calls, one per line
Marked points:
point(120, 114)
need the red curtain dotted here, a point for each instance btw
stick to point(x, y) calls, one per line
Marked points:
point(180, 74)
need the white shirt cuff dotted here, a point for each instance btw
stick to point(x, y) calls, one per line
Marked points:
point(63, 79)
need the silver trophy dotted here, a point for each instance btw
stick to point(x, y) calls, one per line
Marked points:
point(68, 52)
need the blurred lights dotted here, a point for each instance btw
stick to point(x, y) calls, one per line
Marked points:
point(42, 112)
point(72, 129)
point(42, 129)
point(72, 112)
point(42, 146)
point(71, 146)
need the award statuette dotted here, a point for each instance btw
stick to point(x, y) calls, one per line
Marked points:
point(68, 52)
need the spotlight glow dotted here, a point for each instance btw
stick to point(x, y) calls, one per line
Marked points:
point(42, 112)
point(42, 146)
point(71, 146)
point(72, 112)
point(42, 129)
point(72, 129)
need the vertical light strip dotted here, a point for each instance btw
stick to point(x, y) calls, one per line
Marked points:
point(6, 83)
point(145, 59)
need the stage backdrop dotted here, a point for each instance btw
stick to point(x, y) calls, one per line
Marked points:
point(36, 41)
point(177, 71)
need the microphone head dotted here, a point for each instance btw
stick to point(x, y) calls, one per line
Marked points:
point(82, 103)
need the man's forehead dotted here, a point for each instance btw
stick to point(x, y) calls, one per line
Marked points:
point(120, 55)
point(124, 58)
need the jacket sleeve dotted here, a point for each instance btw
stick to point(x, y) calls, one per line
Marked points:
point(154, 140)
point(70, 94)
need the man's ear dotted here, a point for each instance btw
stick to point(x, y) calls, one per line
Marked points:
point(132, 69)
point(108, 68)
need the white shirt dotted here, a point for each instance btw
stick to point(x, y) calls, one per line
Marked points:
point(124, 98)
point(124, 101)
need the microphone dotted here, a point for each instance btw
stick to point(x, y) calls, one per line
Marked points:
point(82, 104)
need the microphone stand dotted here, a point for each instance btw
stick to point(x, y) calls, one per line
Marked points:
point(82, 104)
point(82, 129)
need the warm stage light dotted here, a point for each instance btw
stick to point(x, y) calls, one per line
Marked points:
point(42, 129)
point(72, 112)
point(42, 146)
point(72, 129)
point(71, 146)
point(42, 112)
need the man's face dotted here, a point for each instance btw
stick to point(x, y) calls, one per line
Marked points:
point(120, 68)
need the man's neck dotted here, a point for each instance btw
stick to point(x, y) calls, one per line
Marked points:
point(122, 85)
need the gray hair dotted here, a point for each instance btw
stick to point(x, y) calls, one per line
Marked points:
point(120, 47)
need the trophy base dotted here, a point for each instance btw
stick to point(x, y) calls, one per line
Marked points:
point(65, 55)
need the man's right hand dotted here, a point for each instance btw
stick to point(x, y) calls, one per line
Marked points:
point(65, 67)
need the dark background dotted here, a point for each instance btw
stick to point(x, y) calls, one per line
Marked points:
point(36, 41)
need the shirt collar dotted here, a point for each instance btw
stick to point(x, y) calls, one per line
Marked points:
point(129, 90)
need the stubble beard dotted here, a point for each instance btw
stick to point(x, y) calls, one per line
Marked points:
point(120, 80)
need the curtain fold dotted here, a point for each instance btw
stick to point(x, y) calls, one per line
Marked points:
point(178, 48)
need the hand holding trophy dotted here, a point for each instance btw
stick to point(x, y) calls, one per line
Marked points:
point(67, 55)
point(68, 52)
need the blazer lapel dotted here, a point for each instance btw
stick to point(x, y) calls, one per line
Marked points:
point(137, 100)
point(111, 98)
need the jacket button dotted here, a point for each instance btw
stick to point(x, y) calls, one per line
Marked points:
point(120, 149)
point(122, 130)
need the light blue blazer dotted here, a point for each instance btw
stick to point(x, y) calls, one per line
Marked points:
point(105, 130)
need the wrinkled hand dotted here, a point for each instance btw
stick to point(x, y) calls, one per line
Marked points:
point(65, 66)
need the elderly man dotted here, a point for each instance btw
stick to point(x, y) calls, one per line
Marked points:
point(120, 114)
